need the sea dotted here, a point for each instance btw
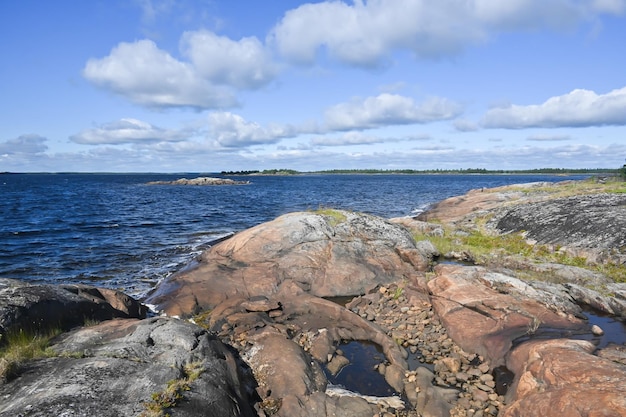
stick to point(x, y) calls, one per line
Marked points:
point(115, 231)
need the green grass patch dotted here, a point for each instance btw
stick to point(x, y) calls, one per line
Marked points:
point(335, 216)
point(169, 398)
point(612, 185)
point(486, 249)
point(19, 347)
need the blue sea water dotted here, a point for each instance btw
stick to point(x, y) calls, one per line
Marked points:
point(113, 230)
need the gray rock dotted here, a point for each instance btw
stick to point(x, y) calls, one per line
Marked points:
point(589, 222)
point(36, 307)
point(114, 368)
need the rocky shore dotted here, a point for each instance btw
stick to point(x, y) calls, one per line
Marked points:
point(256, 328)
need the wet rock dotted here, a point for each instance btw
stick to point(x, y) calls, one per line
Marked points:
point(112, 369)
point(336, 364)
point(341, 254)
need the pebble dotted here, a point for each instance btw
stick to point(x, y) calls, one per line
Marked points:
point(417, 328)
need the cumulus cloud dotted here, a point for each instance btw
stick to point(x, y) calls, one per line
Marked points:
point(242, 64)
point(216, 69)
point(364, 33)
point(579, 108)
point(150, 76)
point(128, 131)
point(24, 144)
point(388, 109)
point(232, 130)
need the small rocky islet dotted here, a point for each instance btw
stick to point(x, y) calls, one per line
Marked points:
point(206, 181)
point(255, 329)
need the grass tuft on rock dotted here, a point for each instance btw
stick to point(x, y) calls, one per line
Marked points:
point(483, 248)
point(18, 347)
point(335, 216)
point(171, 396)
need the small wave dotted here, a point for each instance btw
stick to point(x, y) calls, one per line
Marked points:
point(421, 208)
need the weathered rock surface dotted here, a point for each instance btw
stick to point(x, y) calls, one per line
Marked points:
point(486, 318)
point(200, 181)
point(587, 221)
point(33, 307)
point(592, 225)
point(561, 378)
point(326, 255)
point(112, 369)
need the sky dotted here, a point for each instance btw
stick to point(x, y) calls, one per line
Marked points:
point(209, 86)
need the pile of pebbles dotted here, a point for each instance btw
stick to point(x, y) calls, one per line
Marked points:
point(414, 325)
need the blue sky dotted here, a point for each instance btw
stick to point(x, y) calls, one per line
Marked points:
point(206, 86)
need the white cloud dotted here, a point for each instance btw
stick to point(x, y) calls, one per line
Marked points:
point(24, 144)
point(365, 33)
point(579, 108)
point(128, 131)
point(149, 76)
point(232, 130)
point(217, 68)
point(464, 125)
point(241, 64)
point(388, 109)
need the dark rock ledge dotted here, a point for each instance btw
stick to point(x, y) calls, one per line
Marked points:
point(265, 326)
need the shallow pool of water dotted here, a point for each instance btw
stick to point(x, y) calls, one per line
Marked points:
point(614, 330)
point(361, 375)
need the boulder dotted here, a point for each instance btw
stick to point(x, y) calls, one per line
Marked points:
point(482, 318)
point(327, 254)
point(119, 367)
point(562, 378)
point(36, 307)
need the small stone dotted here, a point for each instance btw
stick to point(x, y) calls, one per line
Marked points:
point(486, 377)
point(382, 368)
point(462, 376)
point(484, 368)
point(597, 330)
point(484, 388)
point(480, 395)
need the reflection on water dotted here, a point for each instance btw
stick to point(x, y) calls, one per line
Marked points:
point(361, 375)
point(614, 330)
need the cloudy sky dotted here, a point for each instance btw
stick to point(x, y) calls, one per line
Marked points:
point(206, 86)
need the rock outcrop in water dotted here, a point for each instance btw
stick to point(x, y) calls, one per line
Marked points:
point(268, 329)
point(200, 181)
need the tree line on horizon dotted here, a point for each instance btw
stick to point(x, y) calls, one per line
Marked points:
point(563, 171)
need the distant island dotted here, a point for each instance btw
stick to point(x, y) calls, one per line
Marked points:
point(200, 181)
point(555, 171)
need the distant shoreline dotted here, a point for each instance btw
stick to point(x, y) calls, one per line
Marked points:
point(546, 171)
